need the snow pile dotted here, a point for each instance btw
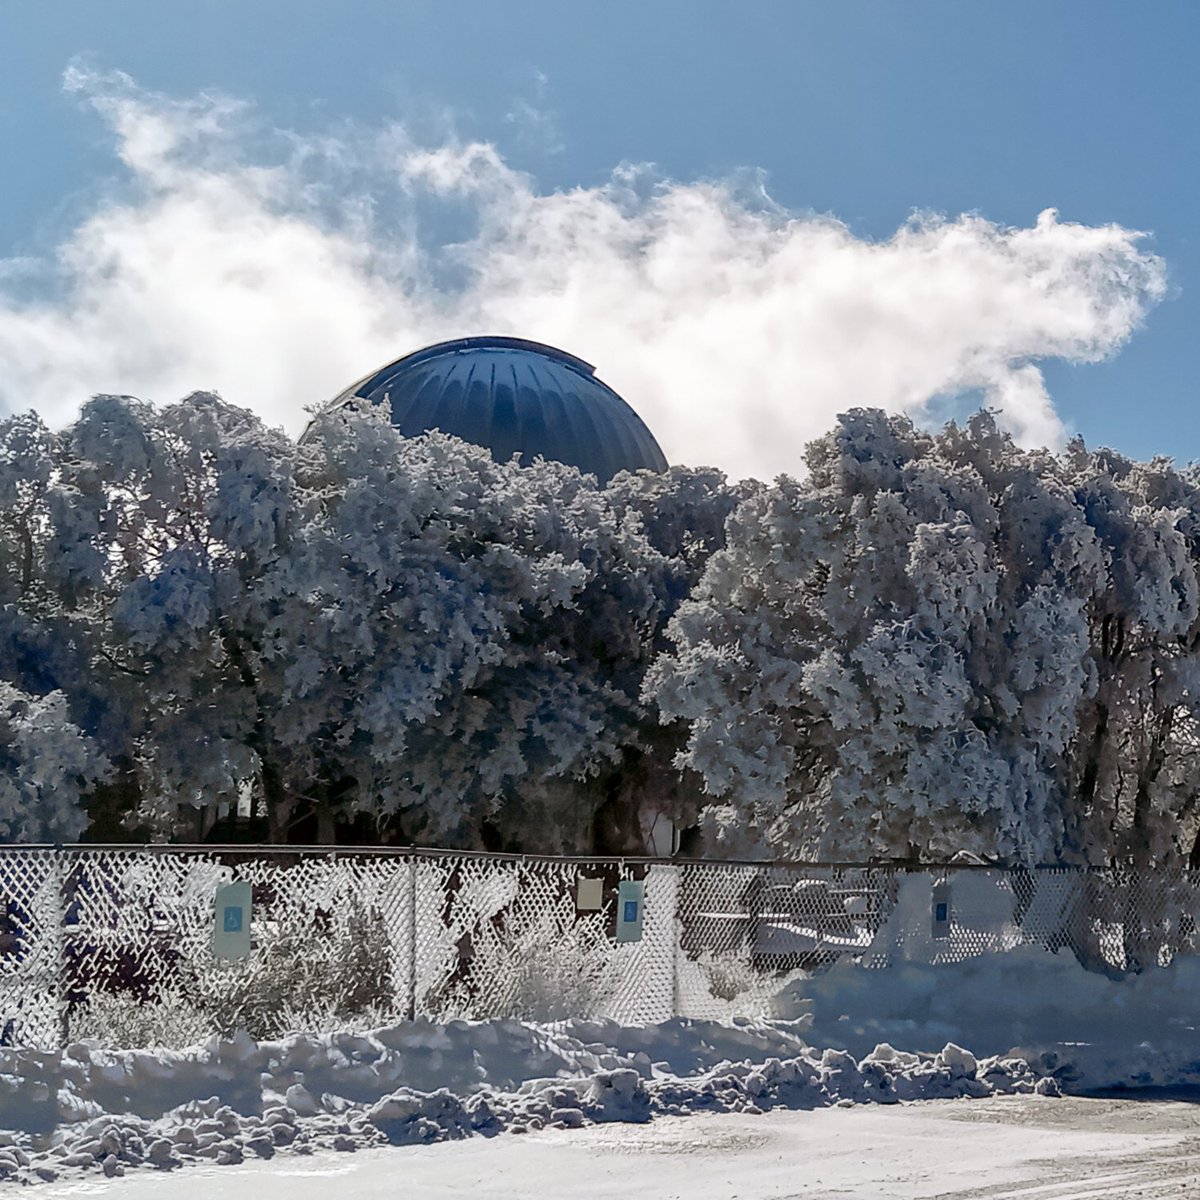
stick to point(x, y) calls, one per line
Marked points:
point(1092, 1032)
point(422, 1082)
point(315, 1073)
point(91, 1109)
point(813, 1080)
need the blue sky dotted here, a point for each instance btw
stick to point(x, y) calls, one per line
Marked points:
point(862, 112)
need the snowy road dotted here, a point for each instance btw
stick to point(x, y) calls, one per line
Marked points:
point(1007, 1148)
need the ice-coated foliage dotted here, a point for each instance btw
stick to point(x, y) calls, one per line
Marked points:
point(46, 764)
point(493, 624)
point(941, 643)
point(397, 633)
point(175, 521)
point(932, 643)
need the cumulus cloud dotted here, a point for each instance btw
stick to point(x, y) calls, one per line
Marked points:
point(275, 268)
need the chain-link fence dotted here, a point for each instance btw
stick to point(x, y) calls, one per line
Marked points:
point(118, 941)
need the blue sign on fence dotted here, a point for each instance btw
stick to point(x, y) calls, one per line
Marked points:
point(630, 903)
point(941, 910)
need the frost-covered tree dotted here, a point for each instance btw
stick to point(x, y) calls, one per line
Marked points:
point(906, 654)
point(495, 623)
point(53, 727)
point(1134, 757)
point(393, 632)
point(47, 764)
point(164, 526)
point(364, 628)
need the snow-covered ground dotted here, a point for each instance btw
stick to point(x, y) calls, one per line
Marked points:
point(93, 1110)
point(1043, 1026)
point(1012, 1148)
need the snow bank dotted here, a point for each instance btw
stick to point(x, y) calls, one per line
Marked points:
point(88, 1108)
point(316, 1072)
point(1092, 1032)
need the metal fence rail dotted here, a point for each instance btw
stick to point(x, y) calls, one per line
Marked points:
point(345, 934)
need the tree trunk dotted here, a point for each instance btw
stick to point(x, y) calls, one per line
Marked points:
point(1078, 814)
point(1155, 759)
point(279, 806)
point(1091, 770)
point(326, 827)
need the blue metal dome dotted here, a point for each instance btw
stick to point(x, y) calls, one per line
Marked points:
point(514, 397)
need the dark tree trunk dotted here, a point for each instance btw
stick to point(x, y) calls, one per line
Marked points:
point(279, 806)
point(326, 826)
point(1151, 768)
point(1090, 778)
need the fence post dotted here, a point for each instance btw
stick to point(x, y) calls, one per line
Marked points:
point(676, 940)
point(412, 938)
point(60, 951)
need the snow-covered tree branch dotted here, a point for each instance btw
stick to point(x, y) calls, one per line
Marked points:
point(930, 643)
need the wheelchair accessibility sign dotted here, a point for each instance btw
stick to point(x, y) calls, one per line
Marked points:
point(231, 926)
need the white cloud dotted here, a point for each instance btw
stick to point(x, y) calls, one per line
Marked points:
point(276, 269)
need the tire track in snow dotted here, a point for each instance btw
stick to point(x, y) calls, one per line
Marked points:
point(1155, 1174)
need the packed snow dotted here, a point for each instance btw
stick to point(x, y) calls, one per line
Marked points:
point(1009, 1148)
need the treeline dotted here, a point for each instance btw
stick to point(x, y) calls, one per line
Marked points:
point(929, 644)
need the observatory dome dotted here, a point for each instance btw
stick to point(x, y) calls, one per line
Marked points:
point(513, 397)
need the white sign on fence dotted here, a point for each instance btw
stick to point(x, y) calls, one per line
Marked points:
point(231, 924)
point(589, 894)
